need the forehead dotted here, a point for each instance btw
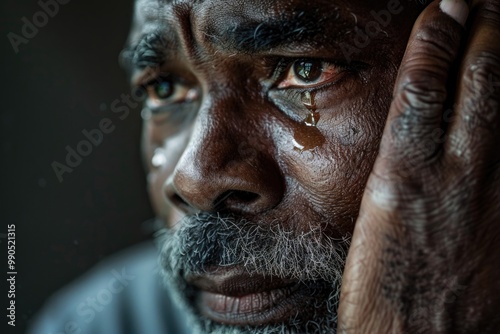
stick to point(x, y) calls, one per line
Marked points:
point(220, 10)
point(217, 17)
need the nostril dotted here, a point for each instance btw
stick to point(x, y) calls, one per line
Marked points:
point(235, 198)
point(245, 196)
point(179, 201)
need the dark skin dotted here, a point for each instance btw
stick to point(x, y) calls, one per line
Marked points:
point(420, 217)
point(440, 212)
point(350, 120)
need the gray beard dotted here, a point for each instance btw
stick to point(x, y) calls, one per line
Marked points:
point(204, 241)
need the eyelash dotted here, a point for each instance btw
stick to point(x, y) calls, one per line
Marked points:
point(158, 104)
point(288, 99)
point(283, 66)
point(279, 67)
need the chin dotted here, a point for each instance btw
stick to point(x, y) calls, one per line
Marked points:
point(233, 276)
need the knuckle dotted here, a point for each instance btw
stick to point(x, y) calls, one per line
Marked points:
point(481, 105)
point(482, 68)
point(420, 100)
point(421, 85)
point(420, 89)
point(490, 11)
point(480, 116)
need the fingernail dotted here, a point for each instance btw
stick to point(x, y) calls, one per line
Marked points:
point(457, 9)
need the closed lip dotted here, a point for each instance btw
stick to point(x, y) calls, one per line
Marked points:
point(236, 282)
point(233, 296)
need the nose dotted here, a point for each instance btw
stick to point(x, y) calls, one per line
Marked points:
point(224, 170)
point(208, 182)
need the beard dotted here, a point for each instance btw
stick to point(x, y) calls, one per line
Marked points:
point(203, 242)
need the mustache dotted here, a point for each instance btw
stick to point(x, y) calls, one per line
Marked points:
point(206, 241)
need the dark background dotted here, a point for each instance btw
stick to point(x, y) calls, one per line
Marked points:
point(59, 84)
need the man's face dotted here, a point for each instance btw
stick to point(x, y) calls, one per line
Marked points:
point(262, 123)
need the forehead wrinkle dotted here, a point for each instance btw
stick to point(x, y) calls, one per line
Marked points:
point(242, 34)
point(189, 28)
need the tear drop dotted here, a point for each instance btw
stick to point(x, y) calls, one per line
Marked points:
point(307, 99)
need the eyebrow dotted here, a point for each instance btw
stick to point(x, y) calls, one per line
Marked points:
point(257, 37)
point(149, 51)
point(152, 49)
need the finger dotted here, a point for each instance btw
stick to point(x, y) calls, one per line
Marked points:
point(475, 128)
point(420, 90)
point(419, 98)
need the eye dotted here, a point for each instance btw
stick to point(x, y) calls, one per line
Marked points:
point(163, 90)
point(309, 73)
point(166, 91)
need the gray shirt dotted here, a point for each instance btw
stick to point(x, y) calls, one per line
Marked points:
point(121, 295)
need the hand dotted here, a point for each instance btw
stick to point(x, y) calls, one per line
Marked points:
point(425, 254)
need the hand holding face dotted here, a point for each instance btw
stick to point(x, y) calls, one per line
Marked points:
point(425, 254)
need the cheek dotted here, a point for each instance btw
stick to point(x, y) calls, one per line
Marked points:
point(168, 151)
point(331, 177)
point(156, 180)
